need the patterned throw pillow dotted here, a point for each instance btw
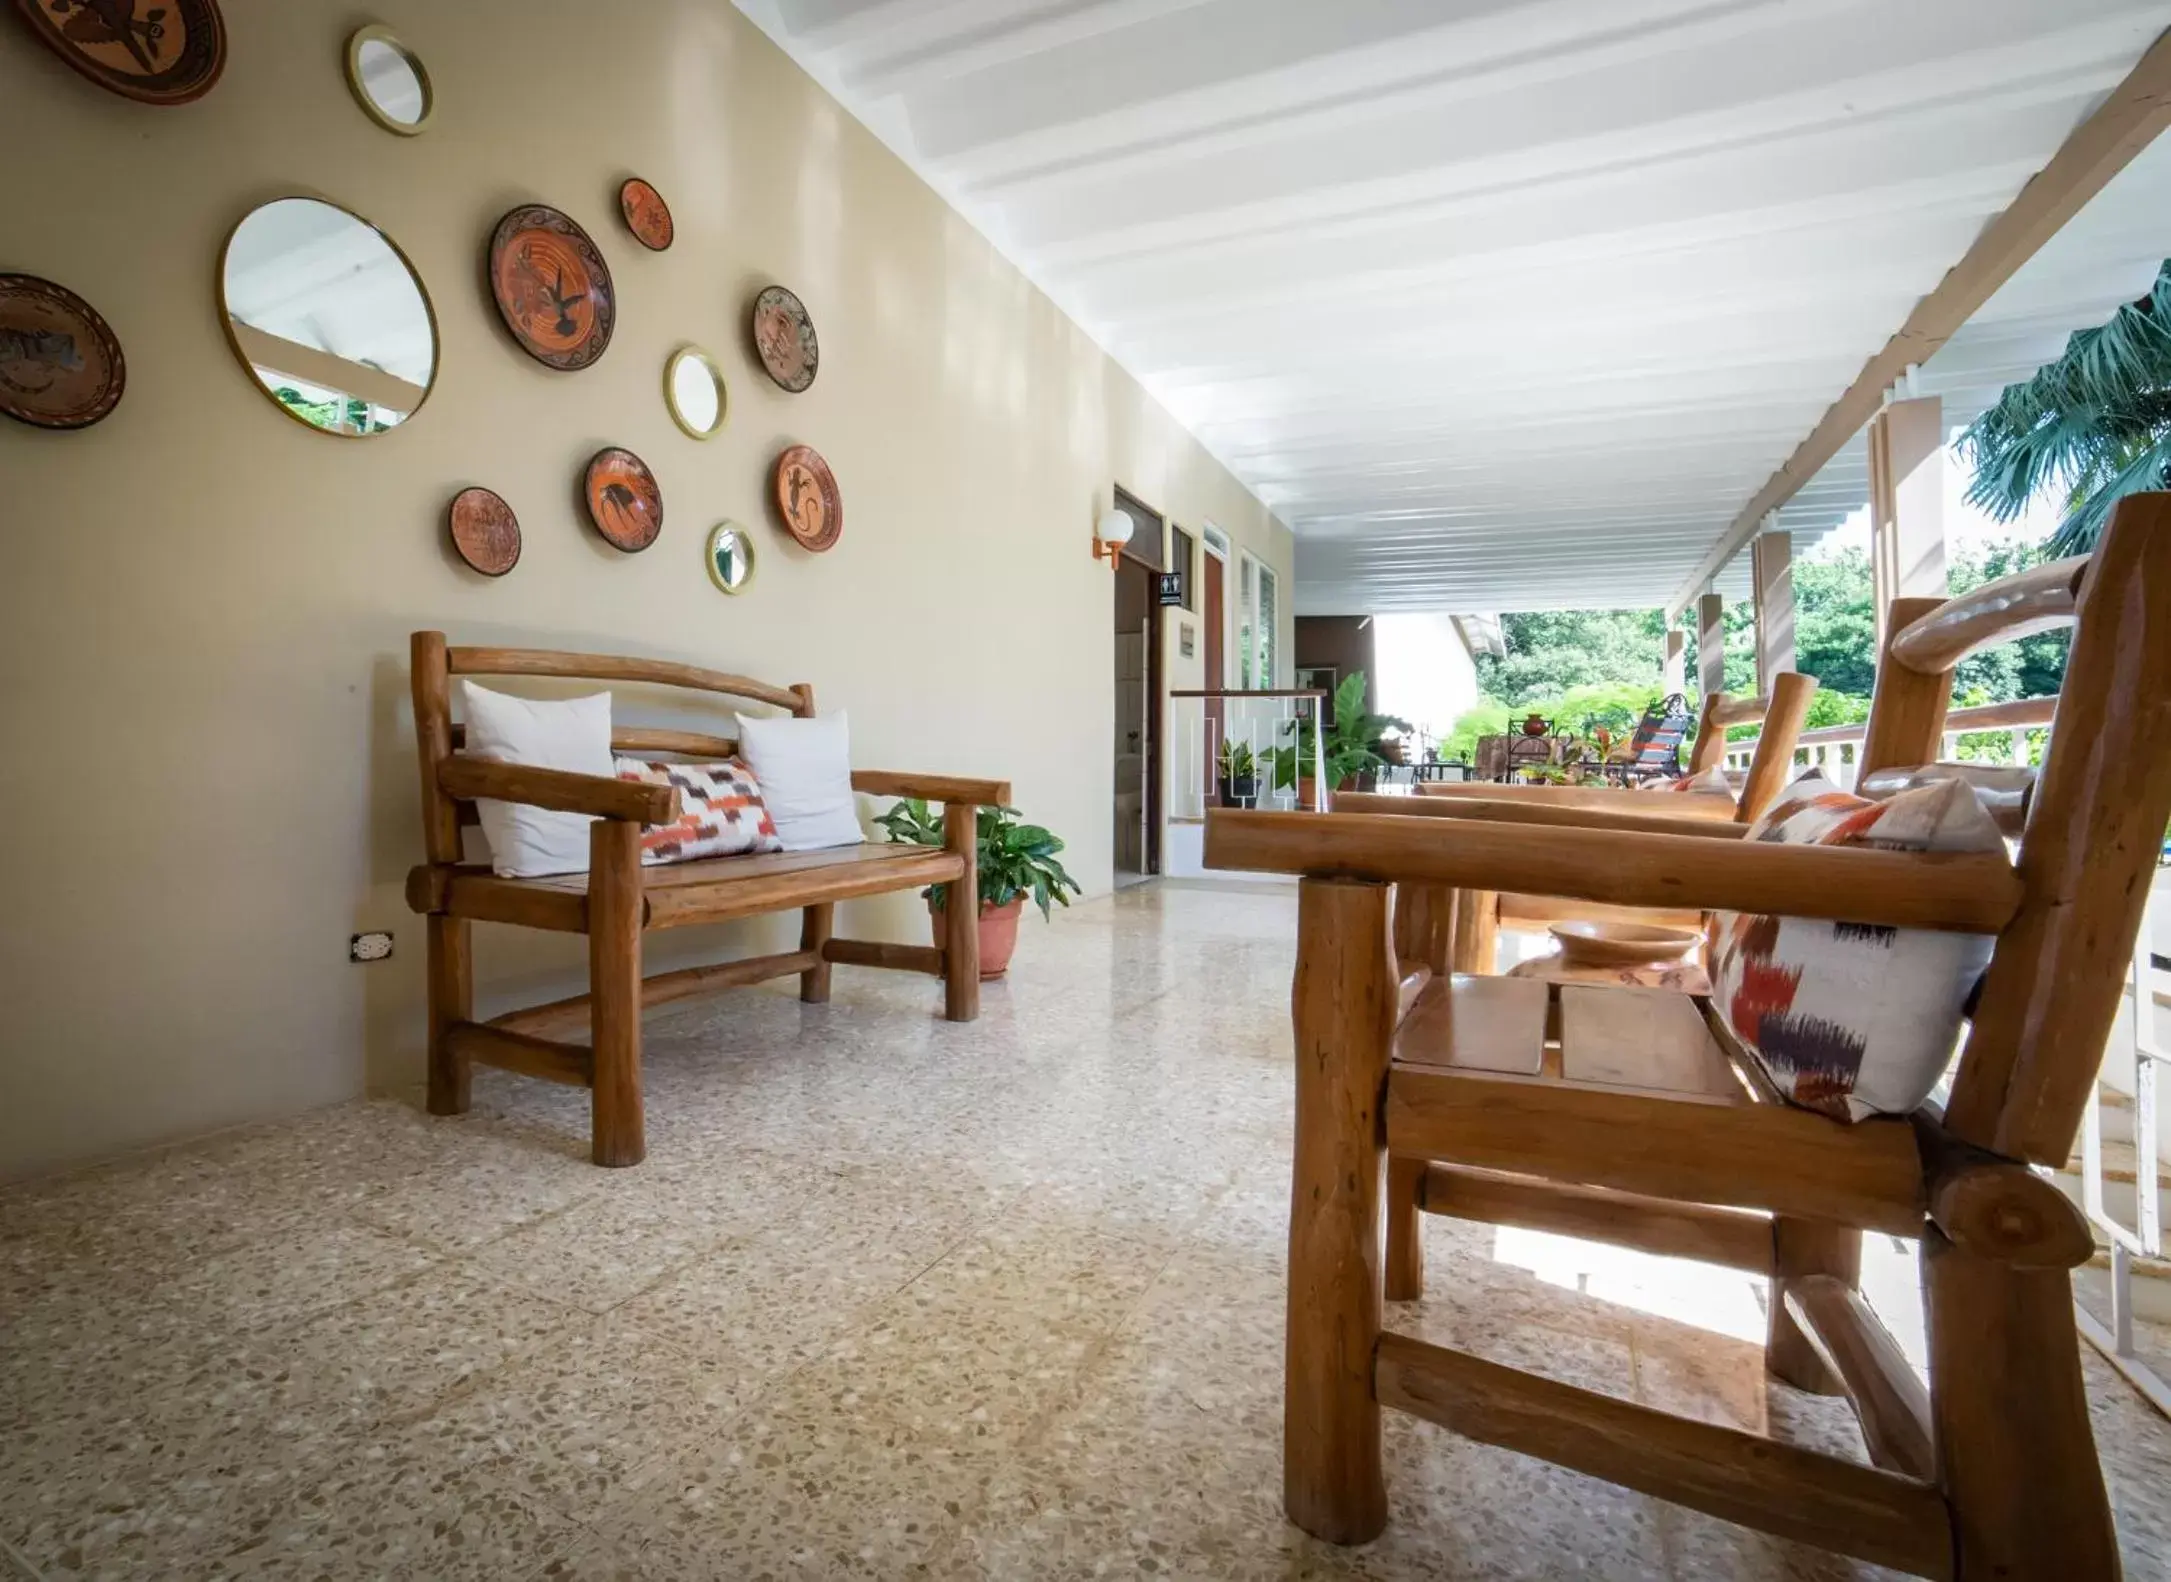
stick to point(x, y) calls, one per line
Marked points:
point(1849, 1018)
point(1712, 782)
point(720, 811)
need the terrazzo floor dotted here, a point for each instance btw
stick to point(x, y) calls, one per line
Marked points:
point(891, 1298)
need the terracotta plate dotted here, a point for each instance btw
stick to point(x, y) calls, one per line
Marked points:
point(552, 287)
point(623, 500)
point(485, 531)
point(648, 217)
point(806, 494)
point(60, 366)
point(784, 336)
point(1620, 944)
point(152, 51)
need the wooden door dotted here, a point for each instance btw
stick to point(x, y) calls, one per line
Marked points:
point(1211, 615)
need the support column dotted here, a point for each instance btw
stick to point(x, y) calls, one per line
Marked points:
point(1907, 503)
point(1771, 561)
point(1710, 644)
point(1673, 663)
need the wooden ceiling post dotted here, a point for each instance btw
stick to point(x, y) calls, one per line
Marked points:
point(1907, 504)
point(1771, 558)
point(1710, 644)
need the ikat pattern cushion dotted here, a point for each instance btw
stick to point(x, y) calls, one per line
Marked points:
point(1849, 1018)
point(721, 813)
point(1712, 782)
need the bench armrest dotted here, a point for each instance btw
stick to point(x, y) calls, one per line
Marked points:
point(1638, 817)
point(558, 790)
point(1963, 892)
point(932, 788)
point(1596, 798)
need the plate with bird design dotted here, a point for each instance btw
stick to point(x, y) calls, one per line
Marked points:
point(160, 52)
point(806, 495)
point(623, 500)
point(552, 287)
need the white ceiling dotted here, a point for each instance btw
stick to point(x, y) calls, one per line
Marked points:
point(1500, 305)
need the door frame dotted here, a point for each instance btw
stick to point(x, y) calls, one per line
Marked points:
point(1156, 718)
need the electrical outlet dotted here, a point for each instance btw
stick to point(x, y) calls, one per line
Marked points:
point(369, 947)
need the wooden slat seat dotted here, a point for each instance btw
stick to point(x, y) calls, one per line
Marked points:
point(720, 888)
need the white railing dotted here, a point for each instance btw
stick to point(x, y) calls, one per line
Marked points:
point(1200, 722)
point(1836, 750)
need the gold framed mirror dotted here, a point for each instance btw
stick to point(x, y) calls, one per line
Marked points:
point(694, 390)
point(328, 317)
point(389, 81)
point(731, 557)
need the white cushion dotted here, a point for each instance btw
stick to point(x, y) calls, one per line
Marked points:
point(805, 770)
point(572, 734)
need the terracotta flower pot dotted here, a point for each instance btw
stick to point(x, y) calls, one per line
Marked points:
point(998, 934)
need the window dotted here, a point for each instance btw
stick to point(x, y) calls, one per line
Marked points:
point(1258, 609)
point(1269, 618)
point(1247, 600)
point(1180, 561)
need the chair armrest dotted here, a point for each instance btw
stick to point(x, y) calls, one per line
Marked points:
point(558, 790)
point(932, 788)
point(1594, 797)
point(1963, 892)
point(1640, 819)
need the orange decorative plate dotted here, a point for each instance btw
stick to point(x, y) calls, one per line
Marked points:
point(784, 338)
point(484, 531)
point(60, 366)
point(552, 287)
point(623, 500)
point(806, 494)
point(152, 51)
point(648, 217)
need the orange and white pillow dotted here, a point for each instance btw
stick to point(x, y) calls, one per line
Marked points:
point(721, 813)
point(1854, 1019)
point(1712, 782)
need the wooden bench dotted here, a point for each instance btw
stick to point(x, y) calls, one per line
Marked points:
point(618, 900)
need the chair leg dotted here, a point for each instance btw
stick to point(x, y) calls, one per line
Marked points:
point(2016, 1458)
point(1405, 1226)
point(1344, 1004)
point(1476, 931)
point(1800, 1248)
point(814, 930)
point(450, 970)
point(961, 915)
point(614, 991)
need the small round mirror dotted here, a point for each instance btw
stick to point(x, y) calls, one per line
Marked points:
point(693, 387)
point(731, 557)
point(389, 82)
point(328, 316)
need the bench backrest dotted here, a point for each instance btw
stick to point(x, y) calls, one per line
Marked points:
point(2090, 835)
point(437, 737)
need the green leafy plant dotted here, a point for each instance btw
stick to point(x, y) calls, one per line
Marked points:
point(1015, 858)
point(1238, 762)
point(1350, 746)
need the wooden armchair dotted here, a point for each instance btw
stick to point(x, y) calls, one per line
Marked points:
point(1479, 915)
point(1670, 1141)
point(617, 900)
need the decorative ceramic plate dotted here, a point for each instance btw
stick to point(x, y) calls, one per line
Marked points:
point(623, 500)
point(784, 336)
point(152, 51)
point(60, 366)
point(806, 494)
point(648, 217)
point(1620, 944)
point(484, 531)
point(552, 287)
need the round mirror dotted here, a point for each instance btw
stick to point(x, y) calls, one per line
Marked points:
point(328, 316)
point(389, 82)
point(731, 557)
point(693, 387)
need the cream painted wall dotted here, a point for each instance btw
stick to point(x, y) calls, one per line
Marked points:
point(204, 615)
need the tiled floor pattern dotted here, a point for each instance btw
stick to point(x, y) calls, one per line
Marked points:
point(891, 1298)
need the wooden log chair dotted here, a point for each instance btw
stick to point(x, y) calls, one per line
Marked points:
point(1641, 1122)
point(1423, 914)
point(618, 900)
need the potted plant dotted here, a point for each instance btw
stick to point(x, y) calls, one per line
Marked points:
point(1347, 750)
point(1016, 860)
point(1239, 773)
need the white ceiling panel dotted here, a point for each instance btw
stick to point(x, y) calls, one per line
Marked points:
point(1506, 305)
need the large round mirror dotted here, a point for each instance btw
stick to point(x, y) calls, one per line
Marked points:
point(693, 387)
point(389, 81)
point(731, 557)
point(328, 316)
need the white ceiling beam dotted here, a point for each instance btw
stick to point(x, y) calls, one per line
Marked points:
point(2101, 146)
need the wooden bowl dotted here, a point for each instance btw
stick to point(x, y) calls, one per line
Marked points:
point(1621, 944)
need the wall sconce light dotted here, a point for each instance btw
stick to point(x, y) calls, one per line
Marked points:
point(1110, 534)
